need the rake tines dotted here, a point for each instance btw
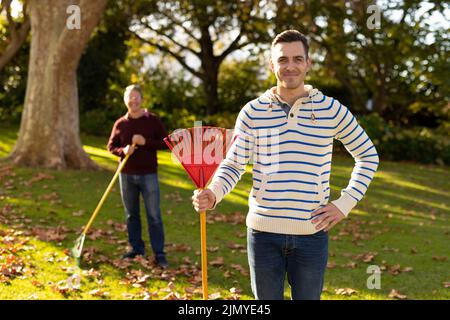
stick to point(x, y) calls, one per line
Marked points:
point(200, 150)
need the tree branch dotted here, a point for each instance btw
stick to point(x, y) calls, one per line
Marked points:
point(5, 5)
point(232, 47)
point(180, 24)
point(179, 58)
point(147, 25)
point(18, 36)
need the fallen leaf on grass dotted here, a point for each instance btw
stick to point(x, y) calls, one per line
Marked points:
point(146, 295)
point(37, 283)
point(54, 196)
point(345, 291)
point(127, 295)
point(396, 295)
point(233, 245)
point(369, 257)
point(78, 213)
point(217, 262)
point(61, 287)
point(121, 264)
point(172, 296)
point(395, 269)
point(39, 177)
point(91, 273)
point(241, 234)
point(234, 218)
point(407, 269)
point(189, 290)
point(235, 290)
point(186, 260)
point(178, 247)
point(50, 234)
point(143, 279)
point(215, 296)
point(351, 265)
point(95, 234)
point(440, 259)
point(240, 268)
point(99, 293)
point(195, 280)
point(120, 227)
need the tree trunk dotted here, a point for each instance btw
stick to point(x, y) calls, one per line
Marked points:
point(380, 92)
point(210, 84)
point(210, 70)
point(49, 130)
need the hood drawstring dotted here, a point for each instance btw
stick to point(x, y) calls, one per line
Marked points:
point(313, 117)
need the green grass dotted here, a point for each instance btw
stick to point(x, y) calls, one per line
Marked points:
point(404, 220)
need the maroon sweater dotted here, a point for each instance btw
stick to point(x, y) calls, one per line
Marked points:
point(143, 160)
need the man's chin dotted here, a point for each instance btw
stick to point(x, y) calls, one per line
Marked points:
point(134, 108)
point(291, 84)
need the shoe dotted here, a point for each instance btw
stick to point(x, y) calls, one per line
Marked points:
point(131, 255)
point(162, 263)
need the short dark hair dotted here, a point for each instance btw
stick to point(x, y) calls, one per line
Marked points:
point(291, 36)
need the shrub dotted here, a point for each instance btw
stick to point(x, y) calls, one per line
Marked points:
point(395, 143)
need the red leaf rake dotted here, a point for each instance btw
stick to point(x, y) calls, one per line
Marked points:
point(200, 151)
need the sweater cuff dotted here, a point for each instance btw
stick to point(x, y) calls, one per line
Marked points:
point(217, 190)
point(345, 203)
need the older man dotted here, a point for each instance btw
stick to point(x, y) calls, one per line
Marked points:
point(139, 176)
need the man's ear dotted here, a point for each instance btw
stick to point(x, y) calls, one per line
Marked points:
point(271, 65)
point(308, 64)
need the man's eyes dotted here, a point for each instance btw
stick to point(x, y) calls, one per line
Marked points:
point(300, 59)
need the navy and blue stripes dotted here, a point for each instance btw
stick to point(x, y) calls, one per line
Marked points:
point(292, 158)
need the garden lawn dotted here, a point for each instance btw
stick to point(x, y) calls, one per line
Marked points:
point(401, 226)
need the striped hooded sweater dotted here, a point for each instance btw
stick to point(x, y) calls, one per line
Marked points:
point(291, 155)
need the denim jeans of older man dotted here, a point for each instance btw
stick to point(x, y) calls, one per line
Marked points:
point(302, 257)
point(131, 186)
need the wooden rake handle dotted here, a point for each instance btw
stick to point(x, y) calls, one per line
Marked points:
point(108, 190)
point(204, 256)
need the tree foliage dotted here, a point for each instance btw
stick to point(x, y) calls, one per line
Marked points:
point(200, 34)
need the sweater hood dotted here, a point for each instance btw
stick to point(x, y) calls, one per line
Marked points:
point(271, 97)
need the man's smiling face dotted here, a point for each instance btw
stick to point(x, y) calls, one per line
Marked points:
point(289, 63)
point(133, 100)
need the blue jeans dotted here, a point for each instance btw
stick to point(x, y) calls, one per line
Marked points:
point(302, 257)
point(130, 188)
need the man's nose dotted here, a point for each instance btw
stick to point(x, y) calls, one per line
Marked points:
point(290, 66)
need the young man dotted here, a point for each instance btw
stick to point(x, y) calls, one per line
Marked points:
point(289, 132)
point(139, 176)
